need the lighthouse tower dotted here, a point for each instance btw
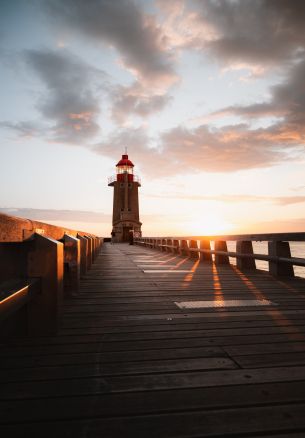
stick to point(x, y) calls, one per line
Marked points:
point(125, 217)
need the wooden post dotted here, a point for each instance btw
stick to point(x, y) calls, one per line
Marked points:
point(96, 246)
point(46, 261)
point(204, 256)
point(221, 245)
point(280, 269)
point(194, 245)
point(176, 244)
point(83, 254)
point(159, 245)
point(169, 242)
point(89, 253)
point(93, 248)
point(163, 242)
point(184, 249)
point(245, 247)
point(72, 264)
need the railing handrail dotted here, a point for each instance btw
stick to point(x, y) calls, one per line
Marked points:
point(16, 229)
point(260, 237)
point(31, 250)
point(16, 294)
point(279, 256)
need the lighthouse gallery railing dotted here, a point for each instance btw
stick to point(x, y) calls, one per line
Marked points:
point(113, 178)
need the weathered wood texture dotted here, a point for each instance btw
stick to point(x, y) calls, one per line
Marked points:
point(49, 256)
point(129, 362)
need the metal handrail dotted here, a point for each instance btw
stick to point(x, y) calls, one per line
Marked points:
point(260, 237)
point(278, 257)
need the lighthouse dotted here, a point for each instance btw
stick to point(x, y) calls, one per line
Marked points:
point(125, 216)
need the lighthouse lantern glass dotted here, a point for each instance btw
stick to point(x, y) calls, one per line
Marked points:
point(124, 169)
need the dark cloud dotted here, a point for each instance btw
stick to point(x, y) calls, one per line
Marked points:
point(287, 98)
point(136, 140)
point(183, 150)
point(71, 100)
point(123, 25)
point(226, 149)
point(287, 102)
point(136, 101)
point(262, 32)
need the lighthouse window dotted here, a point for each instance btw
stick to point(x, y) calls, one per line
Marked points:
point(129, 186)
point(122, 185)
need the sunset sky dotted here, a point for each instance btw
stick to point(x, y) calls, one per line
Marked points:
point(207, 95)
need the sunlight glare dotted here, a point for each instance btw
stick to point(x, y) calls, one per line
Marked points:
point(209, 224)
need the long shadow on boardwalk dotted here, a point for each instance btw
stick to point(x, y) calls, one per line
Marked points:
point(129, 362)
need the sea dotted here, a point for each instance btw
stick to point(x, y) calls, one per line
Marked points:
point(297, 250)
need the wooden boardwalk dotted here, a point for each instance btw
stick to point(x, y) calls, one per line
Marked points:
point(128, 362)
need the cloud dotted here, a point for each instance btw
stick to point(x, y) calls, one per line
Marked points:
point(58, 215)
point(136, 140)
point(136, 100)
point(182, 150)
point(293, 225)
point(226, 149)
point(287, 99)
point(122, 24)
point(287, 103)
point(234, 198)
point(24, 129)
point(260, 33)
point(297, 188)
point(71, 100)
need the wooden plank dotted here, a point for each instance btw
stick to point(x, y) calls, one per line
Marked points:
point(235, 422)
point(55, 366)
point(148, 366)
point(147, 382)
point(141, 345)
point(120, 404)
point(291, 358)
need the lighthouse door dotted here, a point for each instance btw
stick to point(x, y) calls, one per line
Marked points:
point(126, 233)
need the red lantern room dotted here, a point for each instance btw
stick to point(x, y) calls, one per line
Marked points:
point(123, 167)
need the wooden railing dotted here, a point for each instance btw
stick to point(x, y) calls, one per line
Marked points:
point(279, 255)
point(39, 265)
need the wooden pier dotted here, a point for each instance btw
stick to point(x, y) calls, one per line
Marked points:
point(131, 359)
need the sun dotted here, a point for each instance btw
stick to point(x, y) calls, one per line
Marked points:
point(209, 224)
